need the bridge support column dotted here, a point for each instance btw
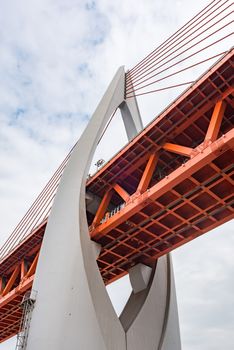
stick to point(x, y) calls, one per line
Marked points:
point(73, 310)
point(150, 317)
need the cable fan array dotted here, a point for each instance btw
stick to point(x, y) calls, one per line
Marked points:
point(194, 38)
point(37, 213)
point(191, 46)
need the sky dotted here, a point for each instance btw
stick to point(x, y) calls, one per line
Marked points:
point(57, 58)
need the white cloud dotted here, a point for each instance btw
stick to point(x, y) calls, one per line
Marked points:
point(57, 58)
point(203, 271)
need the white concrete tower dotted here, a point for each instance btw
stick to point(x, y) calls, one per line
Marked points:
point(73, 310)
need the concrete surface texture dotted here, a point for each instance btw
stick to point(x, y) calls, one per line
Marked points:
point(73, 310)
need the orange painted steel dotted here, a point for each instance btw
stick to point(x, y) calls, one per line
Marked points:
point(178, 149)
point(204, 157)
point(102, 207)
point(11, 281)
point(148, 173)
point(169, 185)
point(123, 194)
point(216, 119)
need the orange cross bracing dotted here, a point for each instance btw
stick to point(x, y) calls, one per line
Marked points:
point(169, 185)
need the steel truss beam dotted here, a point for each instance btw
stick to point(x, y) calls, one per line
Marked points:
point(200, 155)
point(20, 274)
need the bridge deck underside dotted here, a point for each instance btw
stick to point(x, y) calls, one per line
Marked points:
point(196, 205)
point(182, 207)
point(10, 316)
point(186, 196)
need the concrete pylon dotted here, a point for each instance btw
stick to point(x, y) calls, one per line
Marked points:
point(73, 310)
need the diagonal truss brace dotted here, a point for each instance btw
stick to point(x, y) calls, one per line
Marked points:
point(211, 136)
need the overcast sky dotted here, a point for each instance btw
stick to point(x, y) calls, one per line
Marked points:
point(57, 58)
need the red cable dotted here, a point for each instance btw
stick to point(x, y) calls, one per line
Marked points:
point(113, 114)
point(139, 77)
point(179, 71)
point(28, 216)
point(43, 209)
point(44, 192)
point(193, 54)
point(204, 48)
point(173, 35)
point(165, 88)
point(16, 234)
point(152, 59)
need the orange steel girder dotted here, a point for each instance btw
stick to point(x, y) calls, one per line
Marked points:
point(11, 281)
point(19, 277)
point(19, 280)
point(23, 269)
point(102, 208)
point(201, 154)
point(106, 200)
point(216, 119)
point(203, 157)
point(148, 173)
point(123, 194)
point(178, 149)
point(32, 268)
